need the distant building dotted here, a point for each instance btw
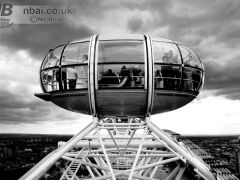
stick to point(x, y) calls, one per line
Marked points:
point(28, 150)
point(8, 152)
point(237, 156)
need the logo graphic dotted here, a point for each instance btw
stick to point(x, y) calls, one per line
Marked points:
point(17, 14)
point(5, 12)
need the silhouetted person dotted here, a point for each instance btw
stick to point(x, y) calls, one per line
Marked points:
point(72, 76)
point(109, 78)
point(158, 79)
point(84, 58)
point(171, 58)
point(61, 77)
point(196, 77)
point(187, 76)
point(64, 73)
point(166, 71)
point(171, 72)
point(126, 75)
point(112, 78)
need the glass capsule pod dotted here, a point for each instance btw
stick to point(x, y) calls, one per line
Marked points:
point(121, 75)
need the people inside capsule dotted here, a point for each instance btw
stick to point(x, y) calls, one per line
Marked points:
point(127, 77)
point(188, 72)
point(61, 73)
point(109, 78)
point(47, 79)
point(196, 78)
point(139, 77)
point(72, 77)
point(187, 76)
point(131, 77)
point(82, 73)
point(84, 58)
point(52, 59)
point(158, 79)
point(171, 58)
point(189, 60)
point(170, 73)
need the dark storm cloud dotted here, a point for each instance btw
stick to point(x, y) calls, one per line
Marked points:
point(134, 24)
point(203, 18)
point(223, 78)
point(16, 109)
point(213, 19)
point(38, 39)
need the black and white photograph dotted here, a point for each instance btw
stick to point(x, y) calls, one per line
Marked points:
point(120, 90)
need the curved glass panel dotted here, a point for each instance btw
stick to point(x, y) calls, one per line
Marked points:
point(50, 80)
point(53, 58)
point(166, 53)
point(76, 53)
point(167, 76)
point(121, 76)
point(189, 57)
point(120, 51)
point(66, 77)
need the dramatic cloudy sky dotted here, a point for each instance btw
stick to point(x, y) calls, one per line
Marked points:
point(212, 28)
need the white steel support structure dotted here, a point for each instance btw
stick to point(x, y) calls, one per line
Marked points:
point(137, 149)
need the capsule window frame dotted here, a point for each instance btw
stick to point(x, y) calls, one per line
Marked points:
point(144, 63)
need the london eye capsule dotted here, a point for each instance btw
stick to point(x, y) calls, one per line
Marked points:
point(121, 75)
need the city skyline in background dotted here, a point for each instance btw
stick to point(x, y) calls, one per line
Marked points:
point(210, 28)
